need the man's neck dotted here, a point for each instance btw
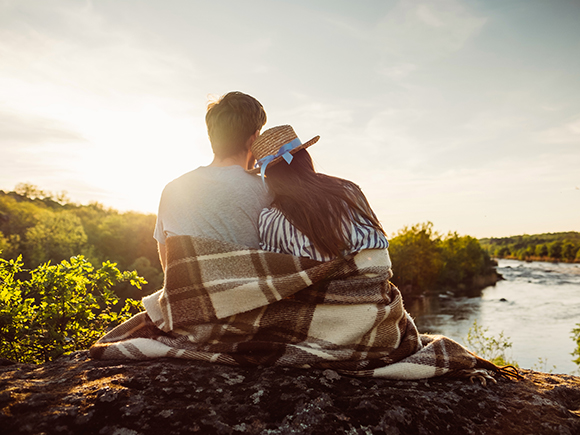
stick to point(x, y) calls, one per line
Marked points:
point(229, 161)
point(245, 159)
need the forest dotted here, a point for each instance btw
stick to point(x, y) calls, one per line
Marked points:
point(44, 227)
point(554, 247)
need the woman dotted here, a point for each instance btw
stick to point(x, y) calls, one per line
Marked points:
point(313, 215)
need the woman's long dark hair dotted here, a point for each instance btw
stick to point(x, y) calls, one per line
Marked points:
point(317, 204)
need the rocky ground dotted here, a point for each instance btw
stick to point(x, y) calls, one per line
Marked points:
point(77, 395)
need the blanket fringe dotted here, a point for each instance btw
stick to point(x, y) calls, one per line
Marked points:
point(482, 375)
point(504, 372)
point(487, 374)
point(509, 372)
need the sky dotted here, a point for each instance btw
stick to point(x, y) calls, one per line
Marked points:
point(464, 113)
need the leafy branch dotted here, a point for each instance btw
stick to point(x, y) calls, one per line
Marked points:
point(59, 308)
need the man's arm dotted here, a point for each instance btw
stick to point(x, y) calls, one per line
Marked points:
point(162, 256)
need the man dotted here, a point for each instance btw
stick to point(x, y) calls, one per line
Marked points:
point(221, 201)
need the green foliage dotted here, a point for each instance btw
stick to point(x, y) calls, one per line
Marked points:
point(60, 308)
point(55, 237)
point(489, 347)
point(17, 216)
point(416, 256)
point(555, 250)
point(569, 250)
point(30, 191)
point(576, 338)
point(547, 247)
point(463, 261)
point(542, 366)
point(125, 237)
point(423, 260)
point(4, 243)
point(541, 250)
point(43, 227)
point(64, 305)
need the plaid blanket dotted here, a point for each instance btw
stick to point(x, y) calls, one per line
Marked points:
point(229, 304)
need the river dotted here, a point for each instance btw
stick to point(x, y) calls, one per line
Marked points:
point(536, 307)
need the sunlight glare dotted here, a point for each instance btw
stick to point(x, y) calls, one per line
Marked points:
point(135, 153)
point(127, 154)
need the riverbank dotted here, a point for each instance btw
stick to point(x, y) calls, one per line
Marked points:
point(536, 258)
point(550, 247)
point(411, 294)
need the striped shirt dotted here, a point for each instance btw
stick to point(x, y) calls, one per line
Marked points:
point(277, 234)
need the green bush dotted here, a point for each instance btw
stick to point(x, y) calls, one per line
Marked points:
point(425, 261)
point(59, 308)
point(463, 260)
point(416, 257)
point(490, 348)
point(576, 338)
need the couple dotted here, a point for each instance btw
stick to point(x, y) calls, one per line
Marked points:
point(309, 215)
point(316, 295)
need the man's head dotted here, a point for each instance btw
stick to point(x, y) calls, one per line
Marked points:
point(231, 121)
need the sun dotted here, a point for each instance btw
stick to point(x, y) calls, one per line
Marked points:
point(133, 154)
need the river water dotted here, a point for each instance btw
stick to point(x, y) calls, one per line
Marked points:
point(536, 307)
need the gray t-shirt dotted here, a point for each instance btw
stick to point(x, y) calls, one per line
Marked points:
point(219, 202)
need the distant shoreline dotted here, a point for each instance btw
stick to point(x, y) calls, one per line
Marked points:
point(533, 258)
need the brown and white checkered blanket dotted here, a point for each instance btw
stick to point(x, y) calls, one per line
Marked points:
point(229, 304)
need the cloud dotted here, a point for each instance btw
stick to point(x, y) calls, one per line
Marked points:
point(397, 70)
point(390, 133)
point(569, 133)
point(25, 130)
point(403, 38)
point(420, 30)
point(74, 47)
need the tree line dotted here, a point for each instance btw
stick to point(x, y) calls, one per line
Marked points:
point(43, 227)
point(563, 246)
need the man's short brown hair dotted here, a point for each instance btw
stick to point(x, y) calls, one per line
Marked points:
point(231, 121)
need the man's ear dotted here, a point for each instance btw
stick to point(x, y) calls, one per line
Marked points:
point(254, 137)
point(250, 160)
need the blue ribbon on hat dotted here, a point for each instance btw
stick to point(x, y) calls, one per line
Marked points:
point(284, 151)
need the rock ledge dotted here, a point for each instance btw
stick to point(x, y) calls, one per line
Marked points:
point(77, 395)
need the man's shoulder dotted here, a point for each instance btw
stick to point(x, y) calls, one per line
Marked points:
point(205, 175)
point(215, 172)
point(178, 184)
point(234, 177)
point(187, 176)
point(226, 180)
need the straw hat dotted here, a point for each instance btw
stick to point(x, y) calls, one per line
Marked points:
point(275, 144)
